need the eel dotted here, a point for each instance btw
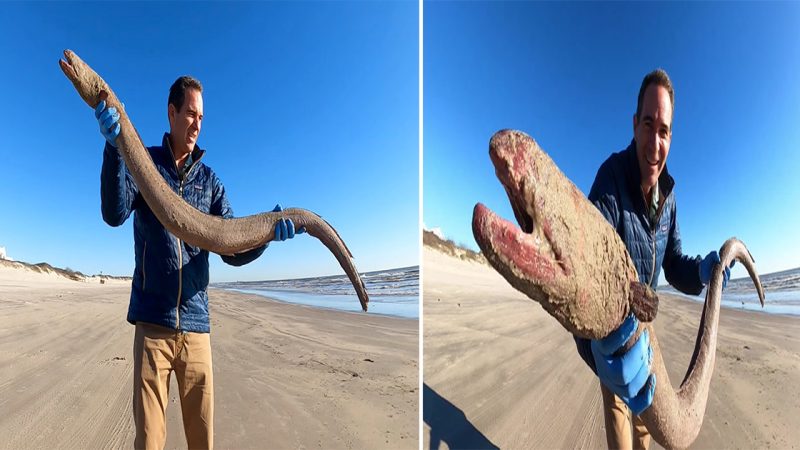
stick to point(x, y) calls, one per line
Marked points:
point(563, 254)
point(212, 233)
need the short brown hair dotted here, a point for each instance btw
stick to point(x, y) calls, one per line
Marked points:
point(177, 92)
point(658, 77)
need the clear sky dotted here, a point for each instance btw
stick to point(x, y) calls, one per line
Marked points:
point(311, 105)
point(569, 73)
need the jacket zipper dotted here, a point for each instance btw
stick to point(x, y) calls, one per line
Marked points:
point(653, 228)
point(653, 270)
point(144, 265)
point(180, 285)
point(180, 256)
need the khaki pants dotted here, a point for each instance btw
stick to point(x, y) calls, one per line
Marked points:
point(157, 352)
point(618, 424)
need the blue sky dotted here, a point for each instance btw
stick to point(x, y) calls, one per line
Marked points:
point(313, 105)
point(569, 74)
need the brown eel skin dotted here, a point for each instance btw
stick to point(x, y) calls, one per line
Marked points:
point(212, 233)
point(566, 256)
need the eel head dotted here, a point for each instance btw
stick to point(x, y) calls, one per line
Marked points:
point(89, 85)
point(525, 253)
point(525, 248)
point(561, 252)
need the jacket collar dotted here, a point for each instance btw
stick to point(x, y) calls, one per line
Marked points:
point(665, 181)
point(194, 157)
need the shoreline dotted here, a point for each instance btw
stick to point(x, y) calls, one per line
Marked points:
point(354, 306)
point(747, 307)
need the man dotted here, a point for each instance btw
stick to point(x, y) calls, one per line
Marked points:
point(169, 304)
point(634, 191)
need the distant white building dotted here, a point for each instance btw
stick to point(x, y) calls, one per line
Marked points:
point(3, 253)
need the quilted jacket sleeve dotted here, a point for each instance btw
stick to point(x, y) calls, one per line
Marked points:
point(118, 191)
point(681, 271)
point(221, 207)
point(605, 194)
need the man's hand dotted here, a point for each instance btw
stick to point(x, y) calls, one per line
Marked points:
point(108, 118)
point(284, 229)
point(707, 267)
point(627, 375)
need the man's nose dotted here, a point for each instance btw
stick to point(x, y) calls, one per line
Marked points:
point(653, 138)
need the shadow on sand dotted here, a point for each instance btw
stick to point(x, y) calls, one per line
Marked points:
point(449, 424)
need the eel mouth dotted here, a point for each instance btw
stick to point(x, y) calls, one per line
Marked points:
point(524, 220)
point(525, 249)
point(67, 66)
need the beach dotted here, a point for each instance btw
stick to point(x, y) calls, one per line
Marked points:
point(285, 376)
point(498, 371)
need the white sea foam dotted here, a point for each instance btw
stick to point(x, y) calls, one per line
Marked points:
point(393, 292)
point(781, 290)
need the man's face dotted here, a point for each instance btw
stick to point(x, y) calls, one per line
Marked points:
point(652, 131)
point(185, 124)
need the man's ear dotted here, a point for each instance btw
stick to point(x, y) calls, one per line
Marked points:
point(171, 114)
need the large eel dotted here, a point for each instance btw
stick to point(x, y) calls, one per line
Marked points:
point(212, 233)
point(567, 257)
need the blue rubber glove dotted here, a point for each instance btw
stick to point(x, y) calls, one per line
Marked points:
point(284, 229)
point(628, 376)
point(108, 118)
point(707, 266)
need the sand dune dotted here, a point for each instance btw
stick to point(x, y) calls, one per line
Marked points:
point(19, 270)
point(499, 371)
point(286, 376)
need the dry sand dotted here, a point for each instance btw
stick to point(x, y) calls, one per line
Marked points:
point(286, 376)
point(499, 371)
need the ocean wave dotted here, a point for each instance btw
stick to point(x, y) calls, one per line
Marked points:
point(392, 292)
point(403, 282)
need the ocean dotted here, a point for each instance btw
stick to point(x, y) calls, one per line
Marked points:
point(393, 292)
point(781, 292)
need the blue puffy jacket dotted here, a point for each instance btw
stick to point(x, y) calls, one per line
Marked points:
point(171, 276)
point(617, 193)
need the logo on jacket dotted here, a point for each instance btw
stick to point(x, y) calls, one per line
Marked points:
point(198, 187)
point(664, 228)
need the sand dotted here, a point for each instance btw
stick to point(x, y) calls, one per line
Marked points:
point(285, 376)
point(499, 371)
